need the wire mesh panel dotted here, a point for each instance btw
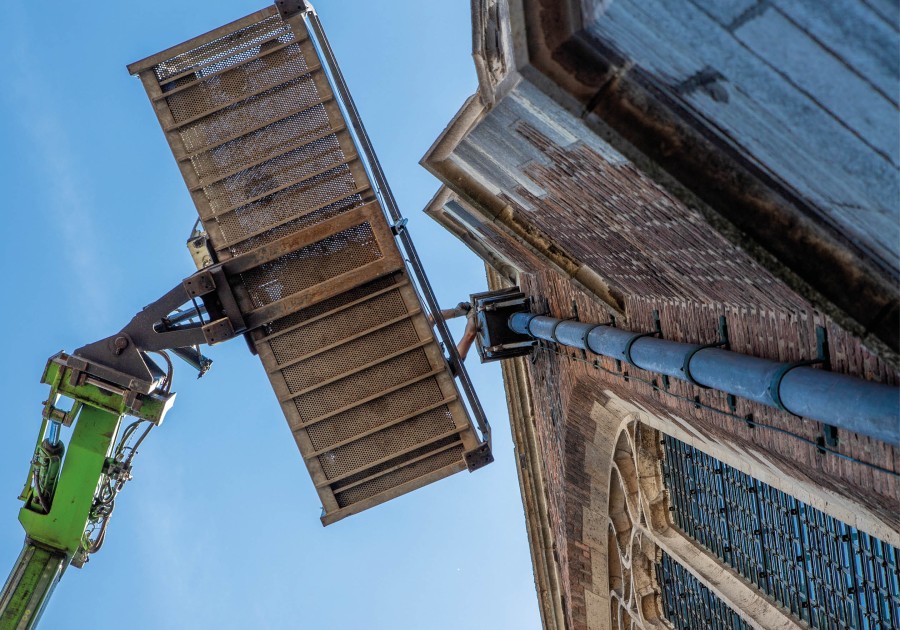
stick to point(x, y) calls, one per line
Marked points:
point(257, 133)
point(824, 571)
point(273, 171)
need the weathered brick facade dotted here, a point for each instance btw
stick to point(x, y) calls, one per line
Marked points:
point(667, 259)
point(569, 383)
point(590, 234)
point(668, 264)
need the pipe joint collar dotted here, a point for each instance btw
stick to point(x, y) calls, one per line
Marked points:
point(553, 331)
point(526, 327)
point(584, 337)
point(780, 373)
point(686, 366)
point(626, 352)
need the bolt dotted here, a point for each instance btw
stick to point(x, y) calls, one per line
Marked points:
point(120, 344)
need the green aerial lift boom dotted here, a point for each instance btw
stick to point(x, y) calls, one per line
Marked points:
point(70, 491)
point(67, 508)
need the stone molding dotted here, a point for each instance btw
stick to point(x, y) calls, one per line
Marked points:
point(640, 529)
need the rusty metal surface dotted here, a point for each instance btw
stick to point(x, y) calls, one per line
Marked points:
point(290, 212)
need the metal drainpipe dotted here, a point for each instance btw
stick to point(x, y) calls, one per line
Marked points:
point(845, 402)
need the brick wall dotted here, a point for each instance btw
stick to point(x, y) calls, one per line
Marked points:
point(565, 430)
point(539, 174)
point(667, 261)
point(569, 387)
point(664, 257)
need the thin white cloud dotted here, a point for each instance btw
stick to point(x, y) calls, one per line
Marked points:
point(65, 188)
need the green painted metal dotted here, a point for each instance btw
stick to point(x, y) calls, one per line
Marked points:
point(65, 381)
point(91, 443)
point(55, 523)
point(30, 584)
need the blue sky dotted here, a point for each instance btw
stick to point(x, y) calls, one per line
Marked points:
point(220, 527)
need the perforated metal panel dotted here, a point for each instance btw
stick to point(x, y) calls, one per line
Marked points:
point(274, 174)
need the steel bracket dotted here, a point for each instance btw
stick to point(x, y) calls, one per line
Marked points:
point(290, 8)
point(122, 360)
point(479, 456)
point(199, 284)
point(217, 331)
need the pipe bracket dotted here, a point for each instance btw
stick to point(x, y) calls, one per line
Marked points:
point(686, 365)
point(627, 351)
point(775, 384)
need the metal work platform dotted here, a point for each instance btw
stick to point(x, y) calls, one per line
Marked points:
point(278, 166)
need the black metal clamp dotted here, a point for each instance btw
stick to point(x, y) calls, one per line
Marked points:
point(723, 342)
point(823, 358)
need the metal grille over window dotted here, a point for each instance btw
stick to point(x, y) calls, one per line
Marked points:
point(688, 604)
point(251, 114)
point(825, 572)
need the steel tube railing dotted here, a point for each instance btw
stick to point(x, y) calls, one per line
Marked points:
point(367, 153)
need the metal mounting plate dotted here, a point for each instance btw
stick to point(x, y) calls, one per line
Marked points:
point(496, 340)
point(290, 8)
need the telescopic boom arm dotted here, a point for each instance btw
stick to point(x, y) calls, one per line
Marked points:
point(70, 491)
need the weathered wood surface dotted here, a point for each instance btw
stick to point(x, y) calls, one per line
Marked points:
point(808, 89)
